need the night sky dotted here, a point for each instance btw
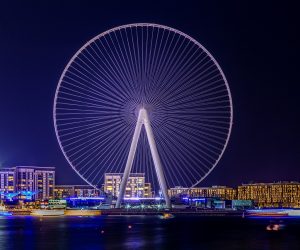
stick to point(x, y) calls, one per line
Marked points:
point(256, 45)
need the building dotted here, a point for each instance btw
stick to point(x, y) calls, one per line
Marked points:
point(223, 192)
point(136, 186)
point(29, 182)
point(148, 190)
point(44, 183)
point(68, 191)
point(7, 181)
point(280, 194)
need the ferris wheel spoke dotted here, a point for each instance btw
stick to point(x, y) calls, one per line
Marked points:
point(78, 138)
point(118, 153)
point(202, 141)
point(210, 135)
point(134, 57)
point(107, 79)
point(124, 77)
point(198, 123)
point(72, 102)
point(100, 153)
point(164, 56)
point(196, 126)
point(86, 137)
point(89, 81)
point(171, 69)
point(173, 65)
point(87, 127)
point(197, 145)
point(157, 58)
point(93, 78)
point(96, 150)
point(203, 87)
point(122, 156)
point(126, 65)
point(186, 85)
point(89, 73)
point(131, 59)
point(113, 66)
point(86, 145)
point(111, 76)
point(171, 57)
point(205, 101)
point(172, 170)
point(179, 151)
point(138, 61)
point(78, 120)
point(88, 94)
point(193, 150)
point(205, 136)
point(179, 69)
point(149, 60)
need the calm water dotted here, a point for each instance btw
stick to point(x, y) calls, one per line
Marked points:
point(113, 232)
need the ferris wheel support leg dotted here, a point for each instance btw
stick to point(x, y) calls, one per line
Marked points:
point(156, 159)
point(130, 159)
point(143, 119)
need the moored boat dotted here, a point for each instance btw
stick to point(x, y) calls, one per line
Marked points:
point(47, 212)
point(268, 212)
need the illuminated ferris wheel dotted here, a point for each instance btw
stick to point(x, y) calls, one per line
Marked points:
point(143, 98)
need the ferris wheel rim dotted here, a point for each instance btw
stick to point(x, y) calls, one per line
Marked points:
point(153, 25)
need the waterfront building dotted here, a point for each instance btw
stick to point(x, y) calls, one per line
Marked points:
point(30, 182)
point(148, 190)
point(135, 187)
point(223, 192)
point(280, 194)
point(67, 191)
point(177, 191)
point(7, 181)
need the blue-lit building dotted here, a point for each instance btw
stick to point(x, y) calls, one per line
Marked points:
point(7, 181)
point(28, 182)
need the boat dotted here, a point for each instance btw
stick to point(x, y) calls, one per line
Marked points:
point(274, 227)
point(5, 213)
point(47, 212)
point(268, 213)
point(166, 216)
point(294, 212)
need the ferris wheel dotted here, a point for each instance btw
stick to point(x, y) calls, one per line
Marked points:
point(143, 98)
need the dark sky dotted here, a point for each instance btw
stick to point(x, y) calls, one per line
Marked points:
point(256, 45)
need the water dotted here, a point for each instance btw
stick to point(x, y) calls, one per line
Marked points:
point(146, 232)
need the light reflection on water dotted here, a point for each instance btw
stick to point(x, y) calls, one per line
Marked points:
point(143, 232)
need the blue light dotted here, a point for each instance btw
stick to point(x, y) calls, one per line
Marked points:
point(199, 199)
point(85, 198)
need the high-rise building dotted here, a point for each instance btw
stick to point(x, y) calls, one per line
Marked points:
point(223, 192)
point(67, 191)
point(280, 194)
point(135, 187)
point(7, 181)
point(30, 181)
point(44, 183)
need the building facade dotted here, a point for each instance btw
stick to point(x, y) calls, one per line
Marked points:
point(7, 181)
point(136, 186)
point(29, 182)
point(223, 192)
point(280, 194)
point(68, 191)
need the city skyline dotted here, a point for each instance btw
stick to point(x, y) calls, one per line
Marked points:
point(264, 145)
point(149, 125)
